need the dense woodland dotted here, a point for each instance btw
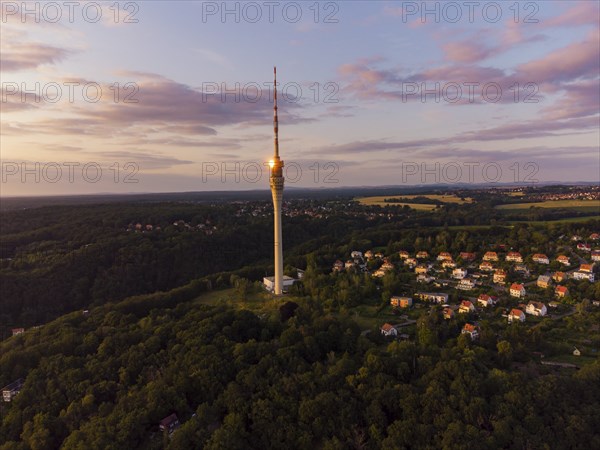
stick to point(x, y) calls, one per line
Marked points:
point(235, 380)
point(287, 378)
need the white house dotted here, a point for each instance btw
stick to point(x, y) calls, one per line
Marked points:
point(9, 391)
point(459, 273)
point(448, 264)
point(517, 290)
point(544, 281)
point(579, 275)
point(514, 257)
point(540, 258)
point(490, 256)
point(516, 315)
point(465, 284)
point(536, 309)
point(388, 330)
point(356, 254)
point(433, 297)
point(485, 300)
point(444, 256)
point(269, 283)
point(471, 330)
point(466, 307)
point(499, 276)
point(486, 266)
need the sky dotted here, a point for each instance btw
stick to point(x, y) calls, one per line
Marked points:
point(153, 96)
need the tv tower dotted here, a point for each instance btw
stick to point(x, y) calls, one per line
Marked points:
point(276, 183)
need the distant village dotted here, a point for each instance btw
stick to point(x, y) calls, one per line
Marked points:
point(468, 271)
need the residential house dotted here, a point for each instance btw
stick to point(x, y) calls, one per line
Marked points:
point(436, 297)
point(338, 266)
point(169, 423)
point(561, 291)
point(356, 254)
point(349, 264)
point(521, 269)
point(421, 269)
point(516, 315)
point(490, 256)
point(514, 257)
point(471, 330)
point(403, 254)
point(401, 302)
point(467, 256)
point(563, 259)
point(553, 304)
point(16, 331)
point(444, 256)
point(596, 255)
point(448, 313)
point(387, 266)
point(466, 307)
point(594, 236)
point(576, 352)
point(422, 255)
point(410, 262)
point(369, 254)
point(11, 390)
point(584, 247)
point(540, 258)
point(576, 237)
point(486, 300)
point(499, 276)
point(422, 278)
point(536, 309)
point(517, 290)
point(586, 268)
point(486, 266)
point(448, 264)
point(466, 284)
point(579, 275)
point(559, 276)
point(379, 255)
point(459, 273)
point(544, 281)
point(388, 330)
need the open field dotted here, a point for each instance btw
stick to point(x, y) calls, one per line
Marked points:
point(379, 200)
point(570, 204)
point(572, 359)
point(567, 220)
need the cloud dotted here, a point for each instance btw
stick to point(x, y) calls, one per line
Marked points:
point(159, 106)
point(143, 159)
point(515, 130)
point(577, 60)
point(29, 55)
point(582, 13)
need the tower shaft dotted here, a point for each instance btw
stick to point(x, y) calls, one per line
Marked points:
point(276, 183)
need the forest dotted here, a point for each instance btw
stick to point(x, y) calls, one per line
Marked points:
point(237, 380)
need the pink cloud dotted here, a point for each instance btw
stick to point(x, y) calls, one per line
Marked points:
point(29, 55)
point(583, 13)
point(568, 63)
